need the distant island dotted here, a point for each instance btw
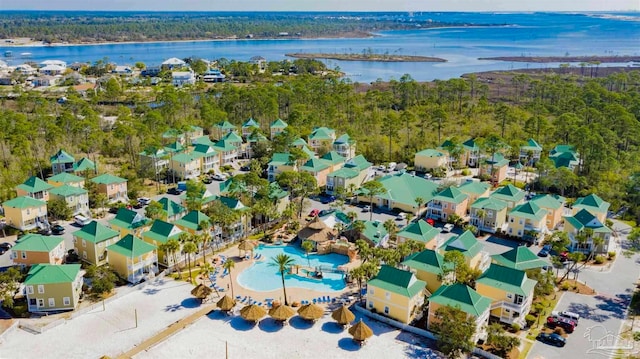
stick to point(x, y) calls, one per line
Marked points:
point(366, 57)
point(585, 59)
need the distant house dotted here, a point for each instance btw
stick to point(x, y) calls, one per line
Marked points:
point(129, 222)
point(401, 191)
point(122, 70)
point(181, 78)
point(53, 287)
point(186, 165)
point(575, 226)
point(374, 233)
point(25, 69)
point(277, 127)
point(510, 194)
point(496, 163)
point(395, 293)
point(92, 240)
point(34, 248)
point(334, 160)
point(448, 202)
point(471, 153)
point(62, 162)
point(76, 198)
point(345, 146)
point(460, 296)
point(222, 128)
point(530, 153)
point(249, 126)
point(65, 178)
point(231, 146)
point(565, 156)
point(475, 190)
point(34, 187)
point(554, 205)
point(467, 244)
point(191, 222)
point(45, 81)
point(114, 187)
point(260, 62)
point(594, 205)
point(84, 165)
point(280, 162)
point(420, 231)
point(52, 70)
point(160, 233)
point(25, 213)
point(213, 75)
point(429, 266)
point(173, 63)
point(133, 259)
point(527, 221)
point(430, 159)
point(322, 137)
point(489, 214)
point(350, 177)
point(154, 160)
point(172, 210)
point(58, 63)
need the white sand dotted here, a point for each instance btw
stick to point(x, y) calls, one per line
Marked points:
point(300, 339)
point(107, 332)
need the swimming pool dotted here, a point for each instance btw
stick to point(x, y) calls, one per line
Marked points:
point(263, 277)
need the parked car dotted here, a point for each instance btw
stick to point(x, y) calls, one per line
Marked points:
point(431, 222)
point(567, 324)
point(401, 216)
point(207, 180)
point(114, 210)
point(144, 200)
point(45, 231)
point(552, 338)
point(81, 220)
point(219, 177)
point(327, 199)
point(575, 317)
point(245, 168)
point(6, 245)
point(544, 252)
point(448, 227)
point(314, 212)
point(57, 229)
point(366, 208)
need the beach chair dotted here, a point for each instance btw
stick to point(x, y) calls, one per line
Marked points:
point(314, 300)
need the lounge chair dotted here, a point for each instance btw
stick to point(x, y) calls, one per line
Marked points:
point(314, 300)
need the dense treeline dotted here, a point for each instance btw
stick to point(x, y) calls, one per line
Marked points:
point(76, 27)
point(390, 121)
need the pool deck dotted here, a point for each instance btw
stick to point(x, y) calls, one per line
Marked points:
point(294, 294)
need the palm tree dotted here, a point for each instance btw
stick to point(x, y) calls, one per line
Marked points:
point(205, 237)
point(189, 248)
point(170, 250)
point(228, 265)
point(481, 214)
point(283, 262)
point(206, 270)
point(357, 228)
point(307, 246)
point(373, 189)
point(390, 226)
point(409, 217)
point(419, 201)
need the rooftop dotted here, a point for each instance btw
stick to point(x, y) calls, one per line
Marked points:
point(428, 261)
point(508, 279)
point(463, 297)
point(465, 243)
point(420, 231)
point(52, 274)
point(34, 184)
point(130, 246)
point(65, 177)
point(520, 257)
point(509, 193)
point(397, 281)
point(95, 232)
point(24, 202)
point(34, 242)
point(451, 195)
point(528, 210)
point(107, 178)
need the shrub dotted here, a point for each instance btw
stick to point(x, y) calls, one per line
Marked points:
point(599, 259)
point(515, 327)
point(530, 319)
point(565, 286)
point(611, 255)
point(466, 172)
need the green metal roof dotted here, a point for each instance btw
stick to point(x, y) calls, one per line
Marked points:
point(128, 219)
point(508, 279)
point(162, 231)
point(187, 157)
point(256, 136)
point(67, 191)
point(358, 163)
point(314, 165)
point(279, 124)
point(397, 281)
point(466, 243)
point(548, 201)
point(531, 145)
point(344, 139)
point(203, 149)
point(475, 187)
point(204, 140)
point(151, 152)
point(322, 133)
point(592, 202)
point(462, 297)
point(584, 219)
point(65, 177)
point(174, 147)
point(34, 242)
point(451, 195)
point(130, 246)
point(278, 159)
point(333, 158)
point(232, 137)
point(344, 172)
point(405, 188)
point(276, 192)
point(498, 160)
point(309, 152)
point(61, 157)
point(24, 202)
point(508, 193)
point(224, 146)
point(374, 231)
point(172, 133)
point(34, 184)
point(95, 232)
point(429, 152)
point(299, 142)
point(564, 156)
point(471, 145)
point(420, 231)
point(528, 210)
point(84, 164)
point(428, 261)
point(108, 178)
point(192, 220)
point(489, 203)
point(225, 125)
point(170, 207)
point(232, 203)
point(52, 274)
point(250, 123)
point(520, 257)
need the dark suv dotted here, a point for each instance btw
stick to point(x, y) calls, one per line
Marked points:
point(552, 338)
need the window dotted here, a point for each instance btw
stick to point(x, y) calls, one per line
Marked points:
point(84, 243)
point(387, 295)
point(521, 221)
point(370, 305)
point(29, 289)
point(40, 289)
point(66, 301)
point(52, 302)
point(24, 255)
point(386, 310)
point(40, 302)
point(509, 295)
point(84, 254)
point(519, 232)
point(507, 310)
point(370, 290)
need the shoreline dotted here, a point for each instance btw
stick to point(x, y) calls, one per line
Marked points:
point(566, 59)
point(365, 58)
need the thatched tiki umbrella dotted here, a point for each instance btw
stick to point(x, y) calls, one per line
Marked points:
point(343, 315)
point(252, 313)
point(281, 313)
point(201, 292)
point(311, 312)
point(226, 303)
point(360, 332)
point(246, 246)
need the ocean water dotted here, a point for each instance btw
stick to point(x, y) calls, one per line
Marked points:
point(493, 34)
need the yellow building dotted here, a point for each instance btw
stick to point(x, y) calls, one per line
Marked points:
point(511, 293)
point(554, 205)
point(190, 223)
point(498, 164)
point(466, 299)
point(351, 176)
point(160, 233)
point(186, 165)
point(429, 266)
point(280, 162)
point(114, 187)
point(594, 204)
point(401, 191)
point(25, 213)
point(448, 202)
point(578, 228)
point(51, 287)
point(475, 190)
point(65, 178)
point(322, 137)
point(527, 221)
point(129, 222)
point(429, 159)
point(34, 248)
point(510, 194)
point(35, 188)
point(92, 240)
point(420, 231)
point(471, 249)
point(319, 169)
point(76, 198)
point(395, 293)
point(277, 127)
point(489, 214)
point(133, 259)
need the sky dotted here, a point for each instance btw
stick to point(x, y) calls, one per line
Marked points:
point(325, 5)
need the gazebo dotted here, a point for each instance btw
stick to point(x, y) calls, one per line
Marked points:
point(360, 332)
point(317, 232)
point(247, 246)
